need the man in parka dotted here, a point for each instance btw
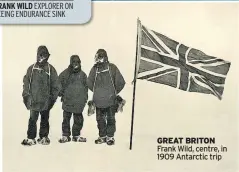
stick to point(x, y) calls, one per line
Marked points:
point(106, 82)
point(74, 93)
point(40, 92)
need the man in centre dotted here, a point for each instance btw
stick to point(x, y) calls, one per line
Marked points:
point(74, 95)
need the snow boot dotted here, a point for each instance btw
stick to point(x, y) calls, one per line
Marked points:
point(110, 141)
point(44, 141)
point(64, 139)
point(100, 140)
point(29, 142)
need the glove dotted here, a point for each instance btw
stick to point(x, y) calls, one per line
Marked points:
point(119, 103)
point(61, 94)
point(51, 103)
point(91, 108)
point(26, 101)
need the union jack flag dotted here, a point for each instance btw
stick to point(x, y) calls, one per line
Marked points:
point(166, 61)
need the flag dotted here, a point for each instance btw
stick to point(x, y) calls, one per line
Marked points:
point(165, 61)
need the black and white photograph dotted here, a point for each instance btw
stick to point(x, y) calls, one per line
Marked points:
point(124, 90)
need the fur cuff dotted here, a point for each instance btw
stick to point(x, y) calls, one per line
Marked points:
point(120, 102)
point(91, 108)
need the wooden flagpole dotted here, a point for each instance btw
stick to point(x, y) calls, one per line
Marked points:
point(135, 78)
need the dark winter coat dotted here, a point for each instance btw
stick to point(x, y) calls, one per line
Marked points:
point(40, 87)
point(74, 91)
point(106, 85)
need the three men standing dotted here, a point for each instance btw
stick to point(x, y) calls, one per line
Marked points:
point(42, 86)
